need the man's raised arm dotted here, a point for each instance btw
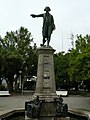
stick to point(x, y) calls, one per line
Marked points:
point(33, 15)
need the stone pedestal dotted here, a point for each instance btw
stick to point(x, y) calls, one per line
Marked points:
point(49, 118)
point(45, 104)
point(62, 118)
point(45, 85)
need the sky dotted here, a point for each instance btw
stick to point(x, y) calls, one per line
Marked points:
point(70, 17)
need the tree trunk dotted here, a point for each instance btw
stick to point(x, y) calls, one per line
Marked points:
point(16, 85)
point(10, 85)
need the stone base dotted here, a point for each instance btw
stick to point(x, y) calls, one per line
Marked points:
point(49, 118)
point(45, 84)
point(48, 109)
point(45, 103)
point(49, 97)
point(62, 118)
point(38, 108)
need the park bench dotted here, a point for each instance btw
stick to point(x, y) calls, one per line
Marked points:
point(62, 93)
point(4, 93)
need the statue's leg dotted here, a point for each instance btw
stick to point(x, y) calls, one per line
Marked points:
point(44, 40)
point(48, 41)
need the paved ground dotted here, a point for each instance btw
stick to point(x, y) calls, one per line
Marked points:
point(18, 101)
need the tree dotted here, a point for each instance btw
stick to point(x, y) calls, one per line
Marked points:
point(17, 53)
point(80, 60)
point(61, 70)
point(0, 60)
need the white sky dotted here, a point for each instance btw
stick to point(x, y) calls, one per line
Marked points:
point(70, 16)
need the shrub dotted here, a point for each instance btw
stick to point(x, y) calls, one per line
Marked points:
point(2, 88)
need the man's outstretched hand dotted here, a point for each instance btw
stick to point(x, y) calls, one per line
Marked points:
point(33, 15)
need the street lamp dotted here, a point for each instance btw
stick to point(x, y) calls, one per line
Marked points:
point(20, 82)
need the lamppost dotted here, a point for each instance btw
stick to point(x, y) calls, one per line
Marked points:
point(20, 82)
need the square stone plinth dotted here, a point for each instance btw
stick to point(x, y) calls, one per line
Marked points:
point(45, 84)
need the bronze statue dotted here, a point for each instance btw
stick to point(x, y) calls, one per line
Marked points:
point(34, 107)
point(48, 25)
point(61, 108)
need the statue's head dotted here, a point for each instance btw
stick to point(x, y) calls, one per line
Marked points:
point(47, 9)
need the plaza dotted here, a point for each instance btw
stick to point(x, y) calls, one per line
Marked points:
point(18, 101)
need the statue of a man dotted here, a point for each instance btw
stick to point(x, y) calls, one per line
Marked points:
point(48, 25)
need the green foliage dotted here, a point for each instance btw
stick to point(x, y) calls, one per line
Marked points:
point(17, 53)
point(2, 88)
point(80, 59)
point(61, 69)
point(74, 67)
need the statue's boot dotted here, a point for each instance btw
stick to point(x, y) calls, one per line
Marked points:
point(43, 42)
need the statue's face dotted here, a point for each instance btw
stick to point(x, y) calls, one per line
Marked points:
point(47, 11)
